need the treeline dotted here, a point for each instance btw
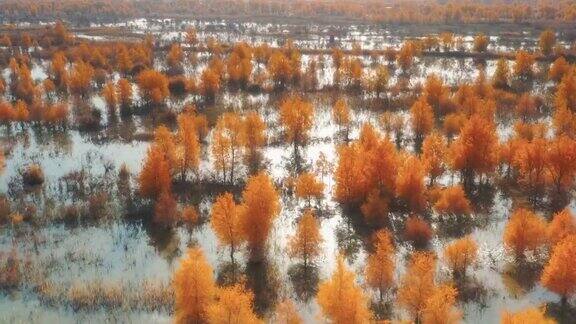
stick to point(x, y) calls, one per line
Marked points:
point(413, 11)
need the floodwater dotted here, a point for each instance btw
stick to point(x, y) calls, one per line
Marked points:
point(127, 251)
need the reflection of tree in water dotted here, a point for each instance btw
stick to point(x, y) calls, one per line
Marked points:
point(349, 242)
point(562, 313)
point(228, 273)
point(382, 310)
point(165, 240)
point(264, 280)
point(521, 277)
point(471, 290)
point(304, 280)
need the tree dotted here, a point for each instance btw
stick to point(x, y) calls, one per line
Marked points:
point(225, 220)
point(561, 163)
point(559, 69)
point(189, 143)
point(440, 307)
point(525, 231)
point(166, 209)
point(410, 187)
point(434, 149)
point(155, 175)
point(164, 139)
point(380, 264)
point(460, 254)
point(193, 288)
point(559, 275)
point(527, 316)
point(501, 75)
point(422, 118)
point(379, 82)
point(153, 86)
point(210, 84)
point(175, 56)
point(481, 42)
point(124, 89)
point(297, 117)
point(233, 305)
point(526, 106)
point(306, 242)
point(81, 78)
point(562, 225)
point(261, 202)
point(308, 187)
point(110, 97)
point(341, 300)
point(530, 161)
point(435, 92)
point(341, 115)
point(475, 150)
point(375, 209)
point(286, 313)
point(523, 68)
point(453, 201)
point(417, 284)
point(21, 112)
point(280, 69)
point(253, 135)
point(227, 143)
point(547, 41)
point(406, 54)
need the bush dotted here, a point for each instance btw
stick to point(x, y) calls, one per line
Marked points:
point(33, 175)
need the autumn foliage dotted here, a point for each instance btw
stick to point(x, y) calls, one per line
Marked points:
point(341, 300)
point(417, 284)
point(261, 207)
point(296, 115)
point(525, 231)
point(153, 86)
point(306, 242)
point(380, 264)
point(233, 305)
point(460, 254)
point(559, 275)
point(193, 288)
point(225, 220)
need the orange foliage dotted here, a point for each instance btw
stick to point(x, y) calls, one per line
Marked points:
point(410, 187)
point(21, 111)
point(175, 56)
point(561, 163)
point(440, 307)
point(559, 69)
point(261, 202)
point(526, 107)
point(422, 118)
point(501, 75)
point(460, 254)
point(523, 68)
point(528, 316)
point(525, 231)
point(153, 86)
point(233, 305)
point(227, 144)
point(481, 43)
point(406, 55)
point(189, 143)
point(253, 132)
point(341, 113)
point(380, 264)
point(166, 209)
point(559, 275)
point(417, 284)
point(124, 93)
point(193, 288)
point(530, 160)
point(433, 157)
point(475, 150)
point(308, 187)
point(453, 201)
point(417, 231)
point(225, 221)
point(297, 117)
point(81, 78)
point(341, 300)
point(109, 94)
point(562, 225)
point(210, 83)
point(155, 175)
point(375, 209)
point(547, 41)
point(286, 313)
point(306, 242)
